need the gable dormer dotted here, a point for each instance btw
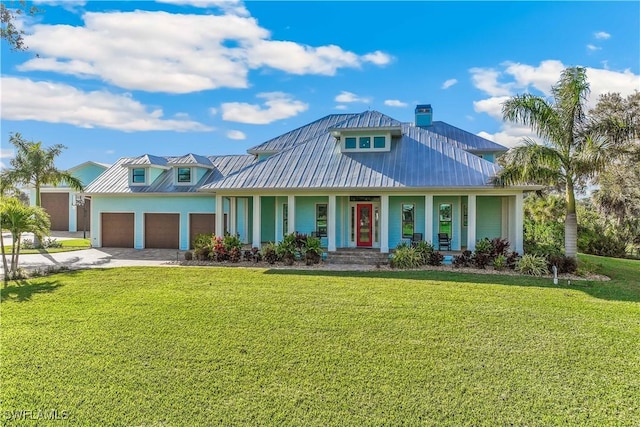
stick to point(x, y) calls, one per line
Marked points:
point(189, 169)
point(144, 170)
point(370, 131)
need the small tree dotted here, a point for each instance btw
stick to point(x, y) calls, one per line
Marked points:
point(19, 219)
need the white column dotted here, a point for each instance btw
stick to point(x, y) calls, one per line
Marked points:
point(519, 224)
point(471, 222)
point(219, 226)
point(279, 219)
point(331, 223)
point(233, 219)
point(73, 212)
point(291, 202)
point(257, 232)
point(384, 223)
point(428, 218)
point(504, 232)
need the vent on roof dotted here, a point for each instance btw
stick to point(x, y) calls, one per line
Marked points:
point(424, 115)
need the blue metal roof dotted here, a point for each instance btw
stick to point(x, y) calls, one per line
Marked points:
point(190, 160)
point(417, 159)
point(368, 120)
point(463, 139)
point(147, 160)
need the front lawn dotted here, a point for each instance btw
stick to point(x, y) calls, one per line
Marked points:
point(230, 346)
point(68, 245)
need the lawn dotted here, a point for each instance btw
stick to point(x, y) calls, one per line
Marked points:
point(225, 346)
point(68, 245)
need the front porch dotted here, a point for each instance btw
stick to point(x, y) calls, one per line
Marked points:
point(375, 222)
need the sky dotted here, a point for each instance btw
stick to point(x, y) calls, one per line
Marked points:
point(120, 79)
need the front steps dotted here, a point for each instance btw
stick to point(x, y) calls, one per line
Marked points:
point(358, 256)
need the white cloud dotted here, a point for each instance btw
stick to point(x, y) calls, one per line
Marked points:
point(24, 99)
point(522, 78)
point(448, 83)
point(213, 111)
point(349, 97)
point(236, 134)
point(235, 7)
point(279, 106)
point(340, 107)
point(486, 79)
point(593, 48)
point(602, 35)
point(110, 152)
point(179, 53)
point(5, 155)
point(394, 103)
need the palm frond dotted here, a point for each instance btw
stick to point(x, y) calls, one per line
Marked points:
point(532, 111)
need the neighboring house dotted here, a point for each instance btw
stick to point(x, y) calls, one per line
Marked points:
point(67, 211)
point(355, 180)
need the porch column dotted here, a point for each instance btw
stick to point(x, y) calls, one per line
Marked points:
point(331, 223)
point(519, 214)
point(291, 204)
point(219, 225)
point(428, 218)
point(471, 222)
point(257, 238)
point(233, 219)
point(384, 223)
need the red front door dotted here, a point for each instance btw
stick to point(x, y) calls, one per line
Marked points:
point(364, 232)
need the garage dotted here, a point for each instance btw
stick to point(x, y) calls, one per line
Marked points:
point(57, 206)
point(200, 224)
point(117, 230)
point(82, 216)
point(162, 230)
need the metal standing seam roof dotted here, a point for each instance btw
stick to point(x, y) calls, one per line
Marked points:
point(300, 135)
point(417, 159)
point(190, 160)
point(147, 160)
point(115, 180)
point(368, 120)
point(462, 139)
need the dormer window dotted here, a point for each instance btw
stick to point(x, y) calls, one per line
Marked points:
point(138, 176)
point(371, 142)
point(184, 175)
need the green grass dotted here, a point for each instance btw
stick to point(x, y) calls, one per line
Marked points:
point(67, 246)
point(225, 346)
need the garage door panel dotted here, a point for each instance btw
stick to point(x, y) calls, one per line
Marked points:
point(162, 230)
point(200, 224)
point(57, 206)
point(117, 230)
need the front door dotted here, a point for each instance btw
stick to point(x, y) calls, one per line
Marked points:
point(364, 230)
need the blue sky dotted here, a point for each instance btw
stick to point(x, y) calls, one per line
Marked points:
point(113, 79)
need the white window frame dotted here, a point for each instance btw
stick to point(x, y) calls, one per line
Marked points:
point(371, 136)
point(177, 175)
point(146, 176)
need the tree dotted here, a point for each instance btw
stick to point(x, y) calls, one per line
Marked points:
point(19, 219)
point(34, 166)
point(569, 154)
point(9, 29)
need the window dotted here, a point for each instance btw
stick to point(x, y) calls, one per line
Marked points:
point(379, 142)
point(445, 218)
point(365, 142)
point(350, 143)
point(138, 176)
point(285, 219)
point(321, 220)
point(184, 175)
point(408, 220)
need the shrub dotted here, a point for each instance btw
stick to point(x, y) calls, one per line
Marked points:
point(27, 244)
point(425, 249)
point(219, 252)
point(482, 253)
point(563, 263)
point(435, 258)
point(406, 257)
point(269, 253)
point(499, 247)
point(533, 265)
point(312, 250)
point(500, 262)
point(463, 260)
point(203, 241)
point(50, 242)
point(202, 254)
point(512, 260)
point(235, 254)
point(288, 248)
point(188, 256)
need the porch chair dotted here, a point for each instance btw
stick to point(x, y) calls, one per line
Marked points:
point(416, 238)
point(444, 241)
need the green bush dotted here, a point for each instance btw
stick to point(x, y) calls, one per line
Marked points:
point(425, 249)
point(288, 248)
point(312, 250)
point(435, 258)
point(482, 253)
point(563, 263)
point(463, 260)
point(500, 262)
point(533, 265)
point(269, 253)
point(406, 257)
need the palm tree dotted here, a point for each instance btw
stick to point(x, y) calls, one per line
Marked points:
point(568, 156)
point(35, 166)
point(19, 219)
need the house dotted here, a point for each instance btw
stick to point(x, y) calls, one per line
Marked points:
point(67, 211)
point(355, 180)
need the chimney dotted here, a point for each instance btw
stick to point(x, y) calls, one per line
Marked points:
point(424, 115)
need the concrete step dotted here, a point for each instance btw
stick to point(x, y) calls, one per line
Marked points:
point(358, 256)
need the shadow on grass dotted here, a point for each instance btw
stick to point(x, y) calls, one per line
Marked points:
point(613, 290)
point(23, 290)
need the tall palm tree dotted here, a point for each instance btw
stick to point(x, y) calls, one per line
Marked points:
point(34, 165)
point(568, 156)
